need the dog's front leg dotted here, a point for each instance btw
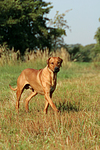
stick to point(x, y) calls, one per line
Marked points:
point(47, 97)
point(46, 107)
point(47, 104)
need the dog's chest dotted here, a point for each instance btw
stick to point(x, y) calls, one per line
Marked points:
point(53, 82)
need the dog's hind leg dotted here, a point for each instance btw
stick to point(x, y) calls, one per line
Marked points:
point(18, 94)
point(28, 99)
point(20, 89)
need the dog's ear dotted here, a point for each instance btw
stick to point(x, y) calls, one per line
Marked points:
point(61, 60)
point(48, 60)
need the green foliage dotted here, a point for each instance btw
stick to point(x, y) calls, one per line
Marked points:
point(23, 24)
point(97, 36)
point(97, 46)
point(81, 53)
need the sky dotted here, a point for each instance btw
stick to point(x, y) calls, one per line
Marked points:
point(83, 19)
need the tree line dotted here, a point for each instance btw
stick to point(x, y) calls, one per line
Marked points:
point(86, 53)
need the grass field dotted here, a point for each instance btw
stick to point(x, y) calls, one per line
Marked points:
point(77, 96)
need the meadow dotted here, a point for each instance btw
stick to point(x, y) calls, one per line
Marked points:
point(77, 96)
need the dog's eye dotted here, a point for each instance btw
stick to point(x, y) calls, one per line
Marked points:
point(52, 63)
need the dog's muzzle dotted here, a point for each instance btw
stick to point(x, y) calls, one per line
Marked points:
point(56, 69)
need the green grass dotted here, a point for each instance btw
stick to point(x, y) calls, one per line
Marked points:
point(76, 127)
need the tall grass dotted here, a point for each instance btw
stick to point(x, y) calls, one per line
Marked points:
point(9, 57)
point(76, 127)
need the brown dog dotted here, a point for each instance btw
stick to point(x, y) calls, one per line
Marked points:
point(41, 81)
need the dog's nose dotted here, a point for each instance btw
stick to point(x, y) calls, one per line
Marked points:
point(56, 69)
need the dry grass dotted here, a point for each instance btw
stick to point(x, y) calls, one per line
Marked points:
point(10, 57)
point(44, 55)
point(76, 127)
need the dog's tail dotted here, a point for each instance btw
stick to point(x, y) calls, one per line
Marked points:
point(14, 89)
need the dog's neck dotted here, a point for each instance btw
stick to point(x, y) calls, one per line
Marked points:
point(49, 69)
point(53, 76)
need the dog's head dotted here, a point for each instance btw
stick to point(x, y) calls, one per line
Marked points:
point(54, 64)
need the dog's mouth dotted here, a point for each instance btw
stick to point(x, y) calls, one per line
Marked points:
point(56, 69)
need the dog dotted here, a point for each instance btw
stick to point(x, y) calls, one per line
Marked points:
point(41, 81)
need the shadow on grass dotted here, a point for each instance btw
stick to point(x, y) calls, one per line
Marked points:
point(67, 107)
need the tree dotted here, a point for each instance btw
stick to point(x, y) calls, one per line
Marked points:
point(97, 37)
point(59, 25)
point(23, 24)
